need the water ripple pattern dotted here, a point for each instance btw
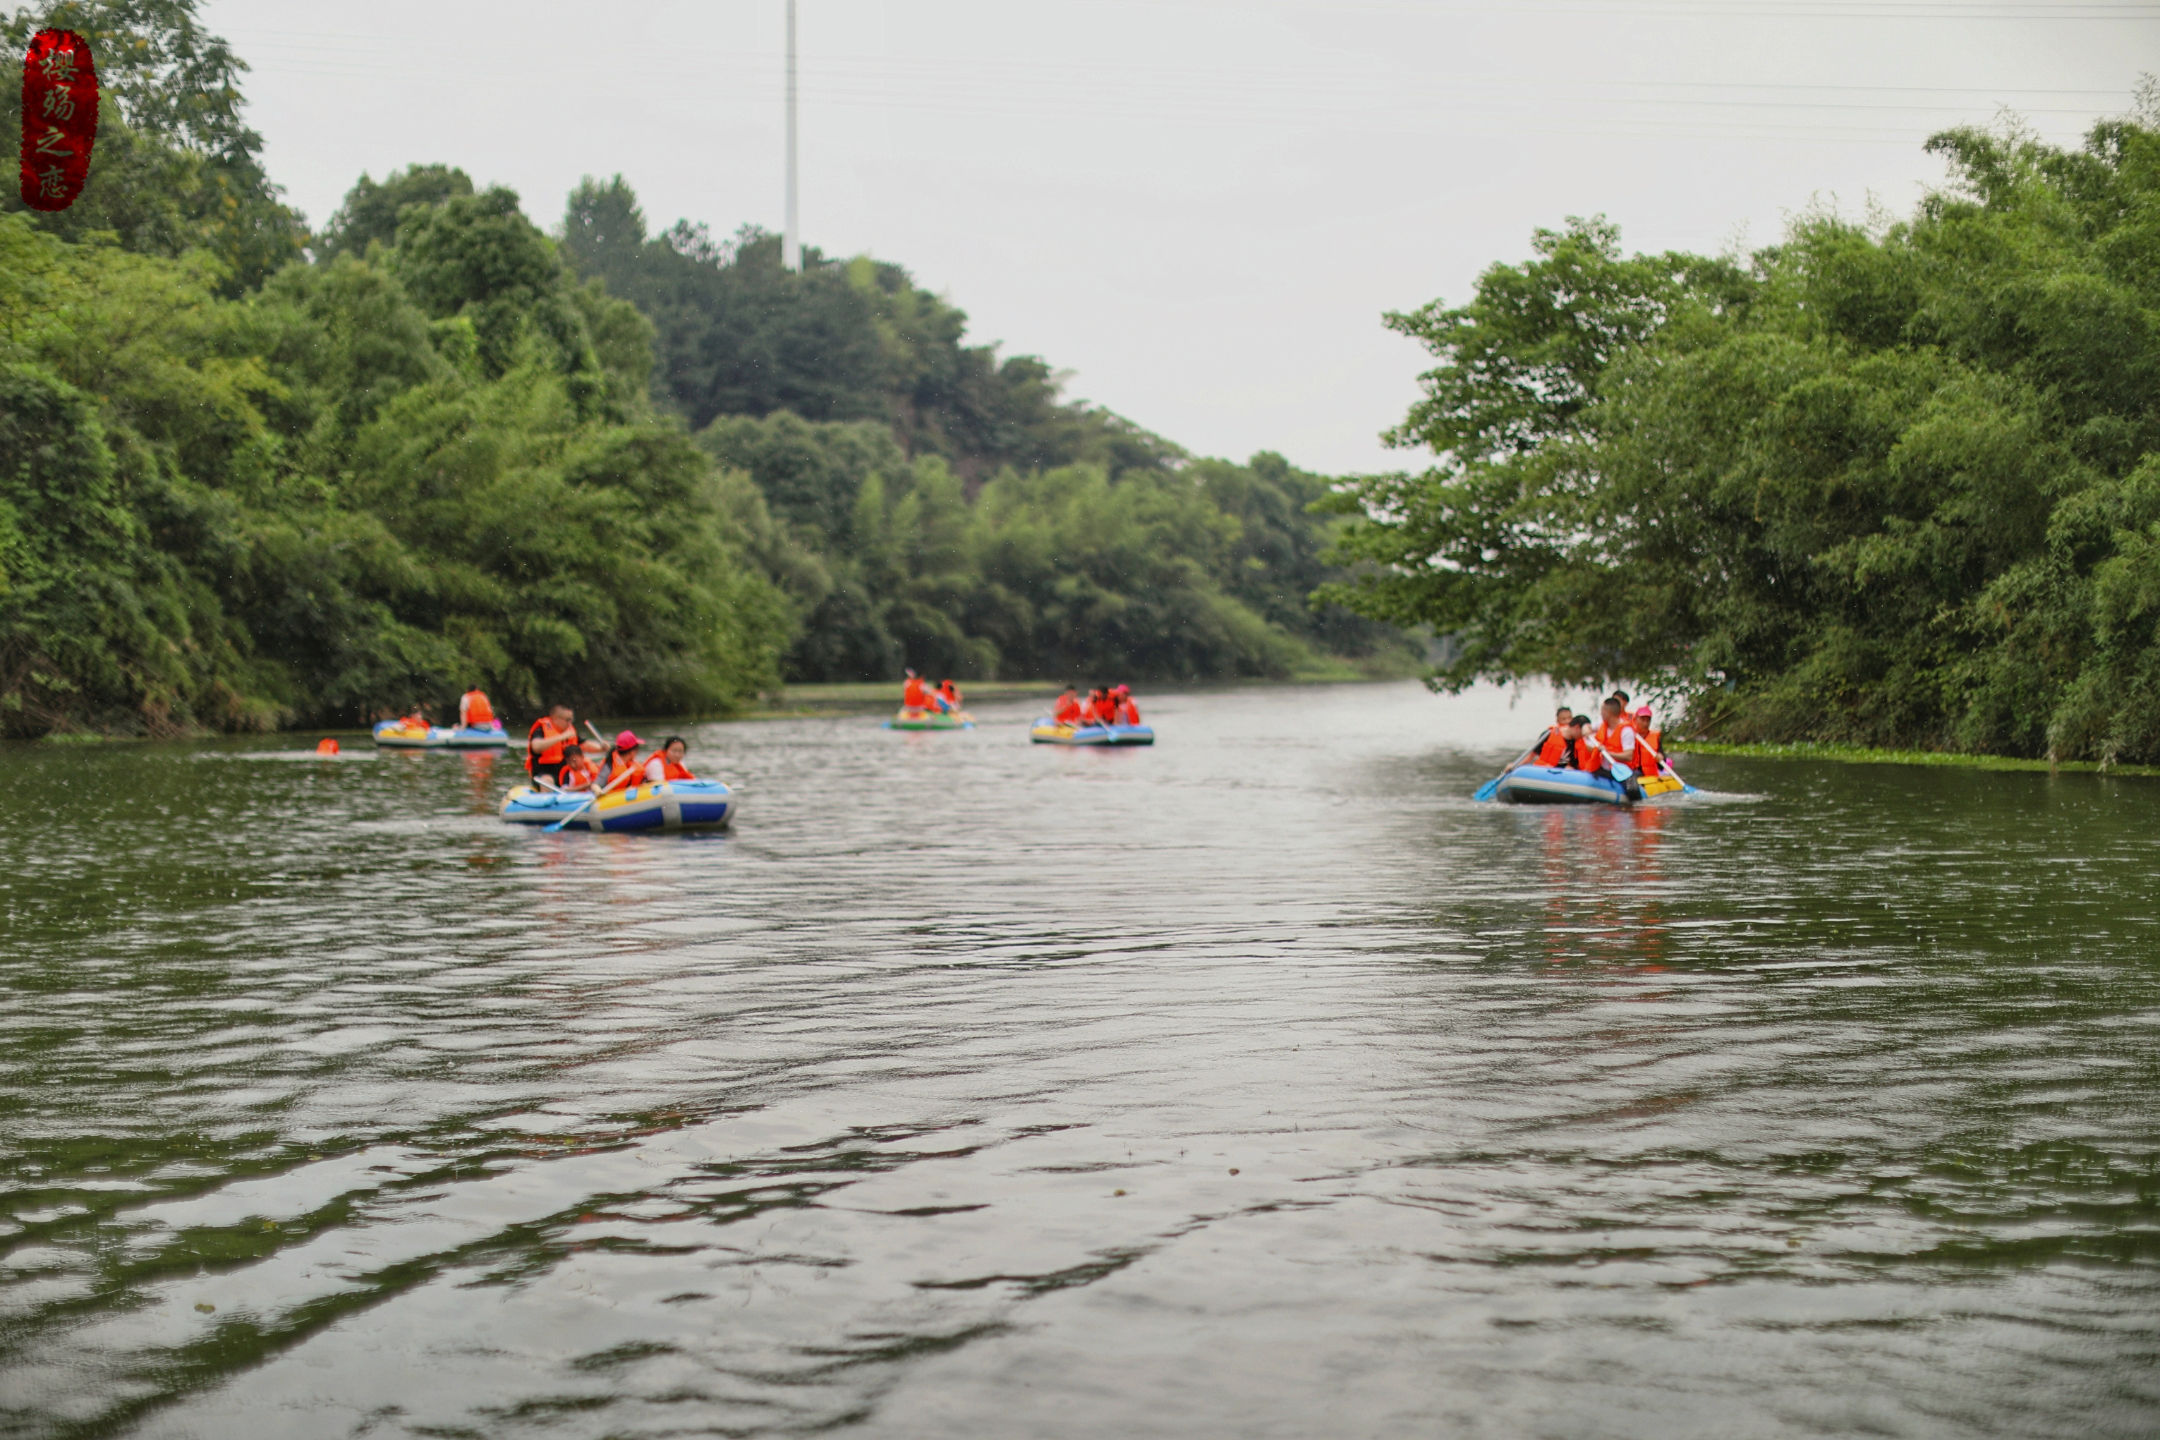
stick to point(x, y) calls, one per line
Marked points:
point(1257, 1084)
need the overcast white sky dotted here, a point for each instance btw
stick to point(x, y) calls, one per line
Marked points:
point(1200, 208)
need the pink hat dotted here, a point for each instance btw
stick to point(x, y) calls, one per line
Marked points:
point(1644, 713)
point(627, 741)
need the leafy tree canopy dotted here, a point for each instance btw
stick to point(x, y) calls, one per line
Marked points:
point(740, 334)
point(176, 168)
point(1890, 485)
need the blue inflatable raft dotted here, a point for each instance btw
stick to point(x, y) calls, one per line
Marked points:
point(1051, 732)
point(1560, 785)
point(396, 735)
point(671, 805)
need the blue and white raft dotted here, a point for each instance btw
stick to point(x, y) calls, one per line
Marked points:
point(397, 735)
point(1561, 785)
point(670, 805)
point(1052, 732)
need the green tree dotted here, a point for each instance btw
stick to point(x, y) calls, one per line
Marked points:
point(371, 211)
point(1886, 485)
point(175, 167)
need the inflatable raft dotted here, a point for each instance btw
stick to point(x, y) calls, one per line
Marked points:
point(672, 805)
point(396, 735)
point(1559, 785)
point(1051, 732)
point(905, 721)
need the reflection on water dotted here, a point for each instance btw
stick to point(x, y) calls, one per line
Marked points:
point(1257, 1084)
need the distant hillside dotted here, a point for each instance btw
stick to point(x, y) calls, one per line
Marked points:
point(736, 333)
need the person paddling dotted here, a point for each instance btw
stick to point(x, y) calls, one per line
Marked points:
point(948, 695)
point(548, 742)
point(914, 696)
point(1126, 713)
point(667, 762)
point(1650, 744)
point(474, 712)
point(1615, 733)
point(1582, 751)
point(1593, 756)
point(1067, 711)
point(621, 760)
point(1551, 748)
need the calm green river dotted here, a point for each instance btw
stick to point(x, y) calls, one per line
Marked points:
point(1259, 1084)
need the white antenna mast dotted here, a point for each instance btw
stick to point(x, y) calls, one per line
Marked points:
point(791, 238)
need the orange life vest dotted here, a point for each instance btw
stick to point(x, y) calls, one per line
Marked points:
point(551, 754)
point(1128, 713)
point(914, 694)
point(1068, 709)
point(669, 770)
point(1653, 757)
point(1553, 749)
point(414, 721)
point(1618, 741)
point(474, 712)
point(950, 694)
point(576, 772)
point(620, 762)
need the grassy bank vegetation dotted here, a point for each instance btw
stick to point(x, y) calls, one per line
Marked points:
point(1863, 755)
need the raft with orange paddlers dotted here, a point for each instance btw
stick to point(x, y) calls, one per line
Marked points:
point(1107, 717)
point(924, 708)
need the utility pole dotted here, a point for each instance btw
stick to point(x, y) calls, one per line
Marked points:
point(791, 238)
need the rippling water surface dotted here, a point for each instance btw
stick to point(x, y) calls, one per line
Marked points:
point(1258, 1085)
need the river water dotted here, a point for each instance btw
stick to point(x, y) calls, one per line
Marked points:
point(1258, 1084)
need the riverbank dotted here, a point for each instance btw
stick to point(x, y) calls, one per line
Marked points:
point(1863, 755)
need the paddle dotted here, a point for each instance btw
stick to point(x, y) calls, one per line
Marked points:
point(607, 789)
point(1491, 787)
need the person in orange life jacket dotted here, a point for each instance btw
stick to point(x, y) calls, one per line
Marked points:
point(1067, 709)
point(948, 695)
point(622, 760)
point(1651, 744)
point(1581, 750)
point(417, 720)
point(1126, 713)
point(1551, 747)
point(576, 772)
point(1615, 733)
point(473, 710)
point(1099, 710)
point(1618, 744)
point(549, 742)
point(914, 695)
point(666, 762)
